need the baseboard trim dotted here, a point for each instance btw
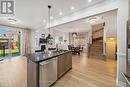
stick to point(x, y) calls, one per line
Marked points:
point(121, 54)
point(120, 83)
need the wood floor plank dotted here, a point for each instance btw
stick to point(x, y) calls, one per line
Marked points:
point(86, 72)
point(13, 72)
point(89, 73)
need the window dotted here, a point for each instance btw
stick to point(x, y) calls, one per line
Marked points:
point(9, 43)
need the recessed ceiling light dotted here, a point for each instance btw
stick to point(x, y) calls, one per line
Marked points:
point(60, 13)
point(89, 0)
point(51, 17)
point(44, 21)
point(11, 21)
point(72, 8)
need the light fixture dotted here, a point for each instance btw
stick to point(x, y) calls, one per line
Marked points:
point(92, 20)
point(44, 21)
point(111, 38)
point(89, 0)
point(11, 21)
point(72, 8)
point(51, 17)
point(74, 34)
point(60, 13)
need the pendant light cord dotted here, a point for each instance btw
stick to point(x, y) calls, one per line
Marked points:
point(49, 6)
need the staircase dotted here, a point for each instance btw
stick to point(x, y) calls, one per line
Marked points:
point(96, 50)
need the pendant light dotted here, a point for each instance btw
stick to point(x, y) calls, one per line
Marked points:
point(74, 34)
point(49, 13)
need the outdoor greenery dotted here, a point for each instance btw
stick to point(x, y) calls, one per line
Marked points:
point(7, 52)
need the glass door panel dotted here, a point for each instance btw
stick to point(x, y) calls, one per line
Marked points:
point(15, 45)
point(9, 44)
point(4, 45)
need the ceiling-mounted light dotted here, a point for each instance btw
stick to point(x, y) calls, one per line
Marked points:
point(60, 13)
point(49, 20)
point(89, 0)
point(74, 34)
point(72, 8)
point(11, 21)
point(44, 21)
point(92, 20)
point(51, 17)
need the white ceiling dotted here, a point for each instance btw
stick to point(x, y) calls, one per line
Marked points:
point(31, 13)
point(83, 25)
point(76, 26)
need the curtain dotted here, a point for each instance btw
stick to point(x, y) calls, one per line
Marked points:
point(26, 41)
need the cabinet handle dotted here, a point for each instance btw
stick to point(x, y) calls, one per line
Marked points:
point(48, 61)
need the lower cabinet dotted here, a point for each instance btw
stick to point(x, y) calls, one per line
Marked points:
point(61, 65)
point(47, 72)
point(32, 74)
point(68, 61)
point(64, 63)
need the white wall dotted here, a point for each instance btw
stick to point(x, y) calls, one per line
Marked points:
point(110, 32)
point(65, 35)
point(36, 34)
point(122, 17)
point(111, 25)
point(55, 33)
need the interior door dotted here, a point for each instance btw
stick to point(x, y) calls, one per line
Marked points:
point(61, 65)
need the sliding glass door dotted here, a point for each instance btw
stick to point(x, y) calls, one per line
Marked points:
point(9, 43)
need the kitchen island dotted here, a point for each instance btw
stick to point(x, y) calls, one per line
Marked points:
point(45, 68)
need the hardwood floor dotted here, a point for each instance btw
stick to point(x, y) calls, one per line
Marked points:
point(89, 73)
point(85, 73)
point(13, 72)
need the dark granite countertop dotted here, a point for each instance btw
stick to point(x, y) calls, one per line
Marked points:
point(42, 56)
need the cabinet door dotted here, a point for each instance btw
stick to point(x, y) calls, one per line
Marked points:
point(68, 61)
point(32, 74)
point(61, 65)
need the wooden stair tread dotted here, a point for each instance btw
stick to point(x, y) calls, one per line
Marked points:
point(96, 49)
